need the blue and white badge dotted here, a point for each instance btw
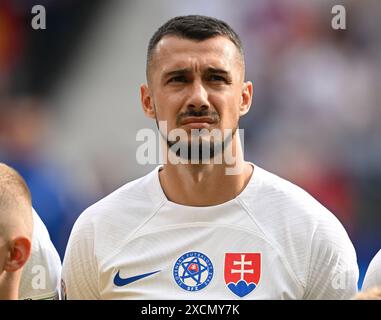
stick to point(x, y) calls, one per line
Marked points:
point(193, 271)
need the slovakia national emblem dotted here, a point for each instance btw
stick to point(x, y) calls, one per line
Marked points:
point(242, 272)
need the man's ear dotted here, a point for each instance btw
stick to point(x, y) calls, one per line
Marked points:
point(147, 101)
point(246, 98)
point(18, 254)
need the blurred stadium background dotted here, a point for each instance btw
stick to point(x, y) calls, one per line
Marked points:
point(70, 109)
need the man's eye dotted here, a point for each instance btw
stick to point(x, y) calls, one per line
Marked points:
point(178, 79)
point(217, 78)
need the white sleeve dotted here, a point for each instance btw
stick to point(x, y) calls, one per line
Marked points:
point(333, 270)
point(373, 274)
point(79, 272)
point(40, 278)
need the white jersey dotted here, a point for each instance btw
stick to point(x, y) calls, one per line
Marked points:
point(40, 279)
point(273, 241)
point(373, 274)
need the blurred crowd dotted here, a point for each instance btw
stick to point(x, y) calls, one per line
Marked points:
point(29, 64)
point(317, 114)
point(315, 120)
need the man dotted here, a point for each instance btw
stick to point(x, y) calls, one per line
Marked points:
point(202, 227)
point(16, 227)
point(373, 274)
point(41, 276)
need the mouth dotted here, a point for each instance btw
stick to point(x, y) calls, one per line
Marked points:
point(197, 122)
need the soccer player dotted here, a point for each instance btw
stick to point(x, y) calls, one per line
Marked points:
point(206, 224)
point(373, 274)
point(41, 276)
point(16, 228)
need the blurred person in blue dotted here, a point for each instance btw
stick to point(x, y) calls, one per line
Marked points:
point(22, 137)
point(189, 229)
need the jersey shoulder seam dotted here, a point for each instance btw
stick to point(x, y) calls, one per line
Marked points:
point(273, 243)
point(132, 233)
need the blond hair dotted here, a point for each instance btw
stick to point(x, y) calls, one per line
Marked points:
point(15, 204)
point(370, 294)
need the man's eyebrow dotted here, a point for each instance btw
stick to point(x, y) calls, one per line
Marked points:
point(176, 72)
point(183, 71)
point(217, 70)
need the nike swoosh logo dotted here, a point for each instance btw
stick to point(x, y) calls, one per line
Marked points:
point(120, 282)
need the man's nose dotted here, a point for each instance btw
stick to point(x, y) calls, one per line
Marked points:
point(198, 97)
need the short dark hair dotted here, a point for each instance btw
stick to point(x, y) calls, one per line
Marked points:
point(194, 27)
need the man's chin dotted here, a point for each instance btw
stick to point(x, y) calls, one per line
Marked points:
point(196, 153)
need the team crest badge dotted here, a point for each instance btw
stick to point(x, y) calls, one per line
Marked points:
point(242, 272)
point(193, 271)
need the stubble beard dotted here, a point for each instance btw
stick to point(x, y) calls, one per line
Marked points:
point(200, 149)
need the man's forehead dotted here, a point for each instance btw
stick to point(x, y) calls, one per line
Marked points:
point(175, 52)
point(174, 44)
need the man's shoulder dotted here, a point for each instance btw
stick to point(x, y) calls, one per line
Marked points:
point(279, 184)
point(373, 273)
point(44, 263)
point(273, 191)
point(128, 204)
point(377, 259)
point(41, 237)
point(277, 204)
point(295, 222)
point(105, 226)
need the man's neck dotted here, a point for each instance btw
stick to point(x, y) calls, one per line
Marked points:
point(203, 185)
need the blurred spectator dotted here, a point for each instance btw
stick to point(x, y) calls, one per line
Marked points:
point(318, 90)
point(22, 133)
point(12, 38)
